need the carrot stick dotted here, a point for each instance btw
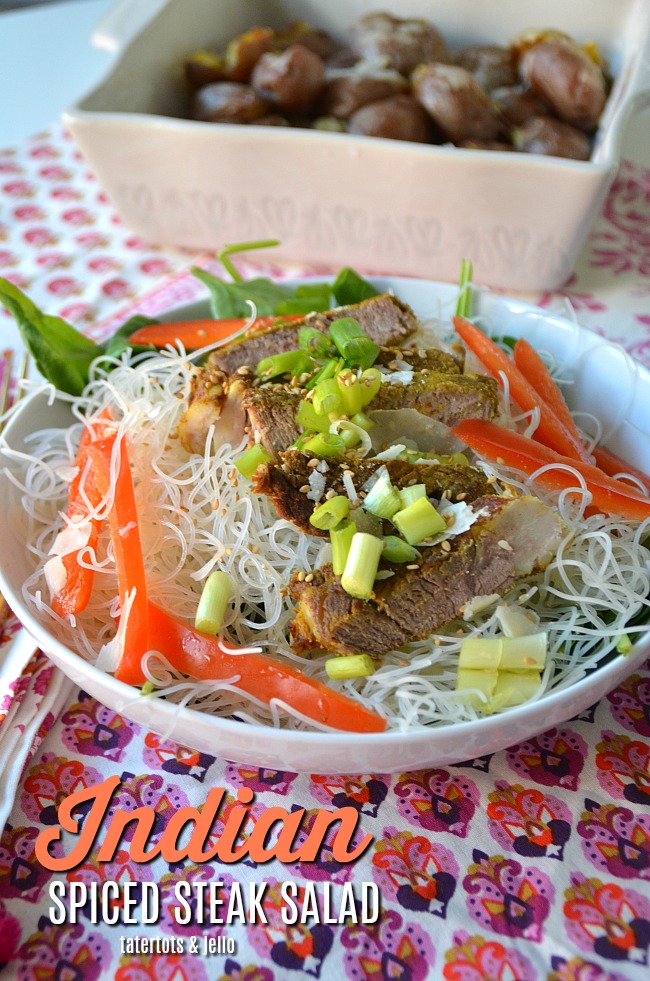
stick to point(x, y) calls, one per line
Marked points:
point(535, 371)
point(501, 445)
point(74, 595)
point(612, 465)
point(550, 430)
point(194, 334)
point(125, 535)
point(199, 655)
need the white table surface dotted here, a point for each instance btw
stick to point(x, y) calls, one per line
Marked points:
point(47, 61)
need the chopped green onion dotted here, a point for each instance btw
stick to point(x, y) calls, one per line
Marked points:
point(350, 392)
point(397, 550)
point(341, 539)
point(363, 421)
point(358, 577)
point(147, 688)
point(349, 435)
point(382, 499)
point(409, 494)
point(353, 343)
point(479, 680)
point(361, 352)
point(287, 362)
point(624, 645)
point(327, 397)
point(213, 602)
point(465, 289)
point(480, 654)
point(418, 521)
point(349, 287)
point(313, 341)
point(459, 459)
point(249, 461)
point(352, 666)
point(512, 654)
point(308, 418)
point(328, 370)
point(299, 443)
point(328, 515)
point(526, 653)
point(325, 444)
point(370, 383)
point(513, 688)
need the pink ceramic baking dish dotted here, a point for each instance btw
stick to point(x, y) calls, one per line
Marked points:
point(333, 198)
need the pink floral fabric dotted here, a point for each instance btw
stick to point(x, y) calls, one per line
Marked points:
point(529, 865)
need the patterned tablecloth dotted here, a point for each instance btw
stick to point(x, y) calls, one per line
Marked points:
point(529, 865)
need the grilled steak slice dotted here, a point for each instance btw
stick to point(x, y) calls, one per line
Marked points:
point(282, 483)
point(384, 318)
point(511, 538)
point(271, 412)
point(447, 398)
point(429, 359)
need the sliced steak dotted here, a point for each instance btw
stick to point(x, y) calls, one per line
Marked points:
point(282, 483)
point(510, 539)
point(384, 318)
point(271, 413)
point(447, 398)
point(422, 359)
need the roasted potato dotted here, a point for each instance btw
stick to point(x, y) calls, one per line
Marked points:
point(290, 81)
point(455, 102)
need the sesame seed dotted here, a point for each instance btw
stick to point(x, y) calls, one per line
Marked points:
point(330, 494)
point(309, 577)
point(313, 462)
point(413, 566)
point(446, 547)
point(461, 497)
point(228, 551)
point(304, 489)
point(244, 370)
point(492, 480)
point(506, 546)
point(254, 549)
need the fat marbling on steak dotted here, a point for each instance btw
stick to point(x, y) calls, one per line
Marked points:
point(510, 539)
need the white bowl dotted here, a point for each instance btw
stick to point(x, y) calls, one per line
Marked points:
point(607, 382)
point(333, 198)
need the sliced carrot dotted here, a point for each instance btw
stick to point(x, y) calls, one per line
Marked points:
point(127, 548)
point(612, 465)
point(200, 656)
point(533, 368)
point(550, 431)
point(74, 595)
point(194, 334)
point(500, 445)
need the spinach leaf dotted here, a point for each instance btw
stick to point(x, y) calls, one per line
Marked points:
point(230, 299)
point(62, 354)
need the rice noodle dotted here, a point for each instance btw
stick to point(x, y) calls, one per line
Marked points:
point(196, 514)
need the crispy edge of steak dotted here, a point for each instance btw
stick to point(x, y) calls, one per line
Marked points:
point(414, 603)
point(384, 318)
point(447, 398)
point(282, 483)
